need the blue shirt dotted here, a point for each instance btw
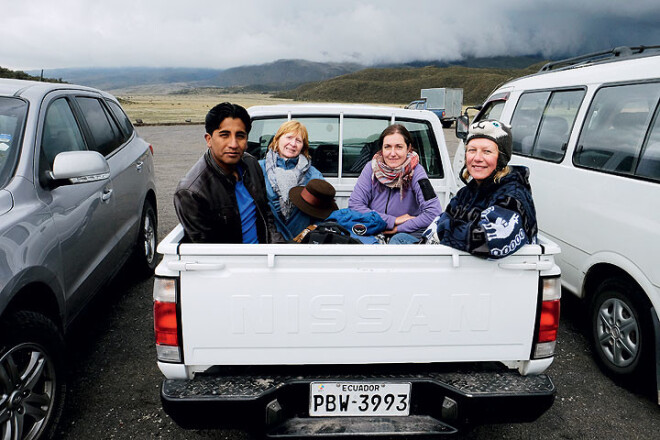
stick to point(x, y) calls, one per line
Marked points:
point(248, 212)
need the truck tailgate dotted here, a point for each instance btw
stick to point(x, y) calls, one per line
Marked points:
point(346, 304)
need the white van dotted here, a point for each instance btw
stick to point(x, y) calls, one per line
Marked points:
point(588, 128)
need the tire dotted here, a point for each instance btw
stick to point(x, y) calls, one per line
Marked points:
point(32, 376)
point(446, 124)
point(622, 332)
point(144, 254)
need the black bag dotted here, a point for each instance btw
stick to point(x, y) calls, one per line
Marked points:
point(329, 233)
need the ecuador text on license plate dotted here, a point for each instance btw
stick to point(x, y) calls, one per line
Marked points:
point(359, 399)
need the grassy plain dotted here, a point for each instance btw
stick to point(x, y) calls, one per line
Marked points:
point(168, 109)
point(182, 109)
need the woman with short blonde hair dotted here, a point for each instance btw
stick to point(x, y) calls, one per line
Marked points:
point(287, 165)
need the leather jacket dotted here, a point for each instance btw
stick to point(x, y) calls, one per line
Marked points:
point(205, 203)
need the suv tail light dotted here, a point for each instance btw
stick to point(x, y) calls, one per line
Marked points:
point(548, 320)
point(166, 320)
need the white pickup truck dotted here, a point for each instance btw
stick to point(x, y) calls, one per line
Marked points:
point(311, 340)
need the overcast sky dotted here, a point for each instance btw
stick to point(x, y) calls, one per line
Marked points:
point(46, 34)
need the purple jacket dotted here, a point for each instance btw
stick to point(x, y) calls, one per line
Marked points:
point(418, 200)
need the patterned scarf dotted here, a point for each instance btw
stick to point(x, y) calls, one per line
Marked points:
point(399, 177)
point(282, 180)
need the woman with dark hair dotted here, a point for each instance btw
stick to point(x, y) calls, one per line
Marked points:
point(493, 215)
point(397, 187)
point(287, 165)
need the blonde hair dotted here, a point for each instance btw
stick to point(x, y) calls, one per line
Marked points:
point(496, 178)
point(291, 126)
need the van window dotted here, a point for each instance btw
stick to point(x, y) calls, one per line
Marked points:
point(542, 122)
point(360, 143)
point(615, 128)
point(493, 110)
point(649, 161)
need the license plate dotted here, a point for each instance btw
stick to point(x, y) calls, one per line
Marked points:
point(359, 399)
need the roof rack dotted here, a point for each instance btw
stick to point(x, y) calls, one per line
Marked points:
point(598, 57)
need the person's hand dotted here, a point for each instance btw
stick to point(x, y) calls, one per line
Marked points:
point(403, 218)
point(391, 231)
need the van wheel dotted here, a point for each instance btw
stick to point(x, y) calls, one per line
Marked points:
point(144, 254)
point(621, 328)
point(32, 377)
point(446, 124)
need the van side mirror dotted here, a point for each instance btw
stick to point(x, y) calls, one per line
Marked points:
point(462, 126)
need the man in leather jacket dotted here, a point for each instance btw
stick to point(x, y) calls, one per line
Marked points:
point(222, 198)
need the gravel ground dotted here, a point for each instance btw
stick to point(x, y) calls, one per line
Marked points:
point(114, 381)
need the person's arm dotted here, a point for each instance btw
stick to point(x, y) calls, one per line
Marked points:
point(314, 173)
point(362, 196)
point(195, 216)
point(496, 233)
point(429, 206)
point(499, 230)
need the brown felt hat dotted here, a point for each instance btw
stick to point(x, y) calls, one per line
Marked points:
point(316, 199)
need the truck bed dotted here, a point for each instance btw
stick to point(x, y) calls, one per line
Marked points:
point(352, 304)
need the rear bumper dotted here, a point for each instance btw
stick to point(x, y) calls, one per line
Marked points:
point(442, 399)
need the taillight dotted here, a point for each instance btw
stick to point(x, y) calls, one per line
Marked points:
point(166, 321)
point(151, 148)
point(165, 325)
point(548, 322)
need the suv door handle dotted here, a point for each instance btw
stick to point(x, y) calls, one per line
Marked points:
point(107, 193)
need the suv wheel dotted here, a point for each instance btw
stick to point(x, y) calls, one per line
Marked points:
point(32, 383)
point(144, 254)
point(621, 328)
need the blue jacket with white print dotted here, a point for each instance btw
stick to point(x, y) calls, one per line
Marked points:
point(491, 219)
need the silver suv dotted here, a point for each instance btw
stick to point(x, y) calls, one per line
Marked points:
point(77, 200)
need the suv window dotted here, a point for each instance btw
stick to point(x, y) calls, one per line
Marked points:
point(61, 133)
point(124, 122)
point(12, 117)
point(105, 132)
point(615, 128)
point(542, 123)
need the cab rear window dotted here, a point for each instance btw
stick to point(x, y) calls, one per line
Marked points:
point(358, 143)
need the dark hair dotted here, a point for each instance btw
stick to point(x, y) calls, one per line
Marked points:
point(217, 114)
point(392, 129)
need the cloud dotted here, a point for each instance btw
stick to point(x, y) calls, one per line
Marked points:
point(207, 33)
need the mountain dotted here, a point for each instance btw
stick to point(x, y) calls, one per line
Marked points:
point(279, 75)
point(402, 85)
point(126, 77)
point(282, 74)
